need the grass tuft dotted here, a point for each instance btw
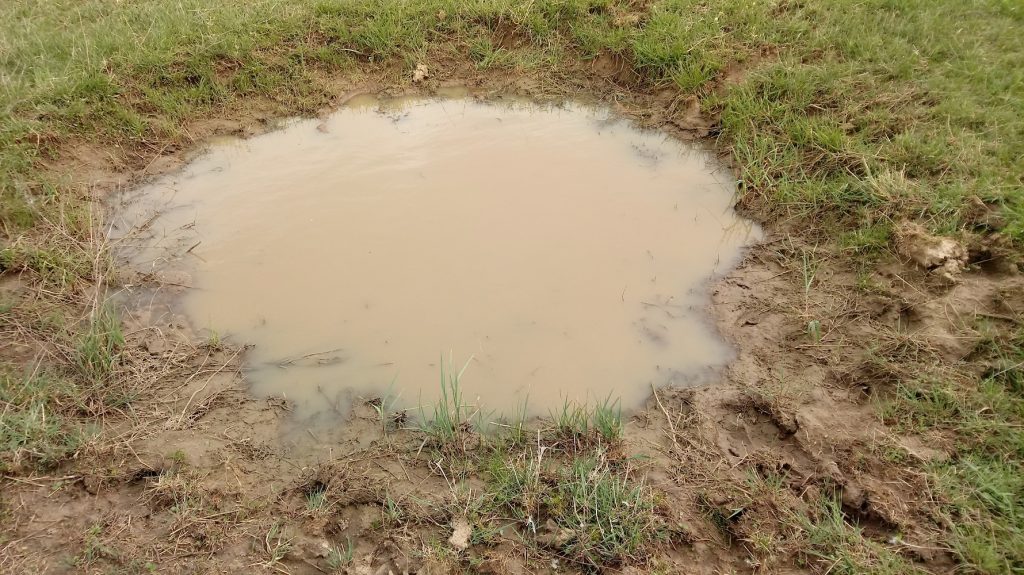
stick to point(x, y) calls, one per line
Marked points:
point(607, 518)
point(339, 557)
point(452, 417)
point(981, 483)
point(581, 424)
point(607, 419)
point(842, 548)
point(99, 344)
point(35, 429)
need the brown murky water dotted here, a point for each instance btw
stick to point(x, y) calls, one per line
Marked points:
point(555, 252)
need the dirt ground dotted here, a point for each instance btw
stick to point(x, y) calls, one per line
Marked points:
point(197, 476)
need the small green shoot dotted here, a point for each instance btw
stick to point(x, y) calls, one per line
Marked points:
point(337, 558)
point(276, 545)
point(608, 419)
point(814, 330)
point(450, 413)
point(316, 499)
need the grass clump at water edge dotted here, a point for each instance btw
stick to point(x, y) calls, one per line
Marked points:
point(582, 423)
point(451, 417)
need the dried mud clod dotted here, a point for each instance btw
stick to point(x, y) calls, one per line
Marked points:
point(781, 415)
point(420, 74)
point(943, 256)
point(993, 254)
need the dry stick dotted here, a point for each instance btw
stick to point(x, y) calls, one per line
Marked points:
point(198, 371)
point(671, 427)
point(307, 356)
point(181, 418)
point(30, 481)
point(999, 316)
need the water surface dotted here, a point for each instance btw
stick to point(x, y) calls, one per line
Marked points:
point(554, 252)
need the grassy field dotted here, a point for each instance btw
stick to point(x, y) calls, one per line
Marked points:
point(842, 118)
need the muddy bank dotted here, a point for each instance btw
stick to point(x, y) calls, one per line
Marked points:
point(200, 476)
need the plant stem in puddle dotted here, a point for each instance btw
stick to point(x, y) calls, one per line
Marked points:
point(608, 419)
point(572, 422)
point(450, 414)
point(385, 405)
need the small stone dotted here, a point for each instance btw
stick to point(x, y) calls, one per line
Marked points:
point(854, 497)
point(553, 536)
point(157, 346)
point(461, 531)
point(420, 73)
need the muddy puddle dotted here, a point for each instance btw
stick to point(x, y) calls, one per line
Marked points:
point(551, 253)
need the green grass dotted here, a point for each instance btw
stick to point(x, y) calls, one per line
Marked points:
point(384, 407)
point(55, 265)
point(572, 421)
point(47, 410)
point(97, 346)
point(608, 519)
point(35, 430)
point(863, 111)
point(514, 485)
point(607, 419)
point(339, 557)
point(582, 423)
point(512, 430)
point(841, 547)
point(981, 484)
point(316, 499)
point(451, 417)
point(392, 514)
point(600, 516)
point(276, 544)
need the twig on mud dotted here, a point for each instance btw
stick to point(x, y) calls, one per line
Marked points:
point(912, 286)
point(189, 379)
point(32, 480)
point(188, 404)
point(1010, 319)
point(671, 427)
point(778, 275)
point(675, 434)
